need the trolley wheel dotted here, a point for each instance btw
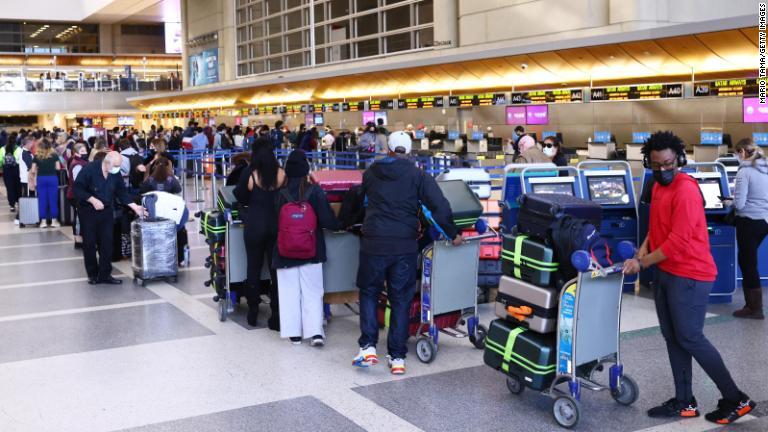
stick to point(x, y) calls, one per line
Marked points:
point(174, 279)
point(223, 309)
point(627, 391)
point(478, 339)
point(566, 411)
point(514, 385)
point(426, 350)
point(143, 283)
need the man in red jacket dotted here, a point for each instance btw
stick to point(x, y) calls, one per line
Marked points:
point(678, 244)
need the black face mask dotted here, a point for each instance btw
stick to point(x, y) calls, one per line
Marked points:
point(664, 178)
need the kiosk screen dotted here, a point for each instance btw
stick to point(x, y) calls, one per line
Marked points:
point(608, 190)
point(710, 188)
point(552, 188)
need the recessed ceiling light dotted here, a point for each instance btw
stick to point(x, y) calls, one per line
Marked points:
point(611, 57)
point(647, 52)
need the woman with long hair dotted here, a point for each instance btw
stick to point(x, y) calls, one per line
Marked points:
point(76, 164)
point(10, 157)
point(751, 203)
point(45, 169)
point(257, 190)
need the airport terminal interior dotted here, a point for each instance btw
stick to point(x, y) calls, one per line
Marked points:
point(535, 134)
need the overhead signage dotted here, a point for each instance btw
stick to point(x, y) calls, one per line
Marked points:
point(420, 102)
point(730, 87)
point(499, 99)
point(356, 106)
point(637, 92)
point(548, 96)
point(387, 104)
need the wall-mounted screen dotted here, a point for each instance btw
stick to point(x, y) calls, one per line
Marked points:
point(712, 191)
point(309, 119)
point(515, 115)
point(640, 137)
point(173, 38)
point(380, 115)
point(760, 138)
point(126, 121)
point(552, 188)
point(603, 136)
point(608, 190)
point(754, 112)
point(537, 114)
point(453, 135)
point(419, 134)
point(551, 133)
point(711, 137)
point(318, 120)
point(369, 117)
point(477, 136)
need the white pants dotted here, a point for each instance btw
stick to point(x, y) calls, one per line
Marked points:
point(301, 301)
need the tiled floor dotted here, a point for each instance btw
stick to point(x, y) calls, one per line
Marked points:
point(75, 357)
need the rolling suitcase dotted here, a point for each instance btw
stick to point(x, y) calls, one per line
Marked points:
point(29, 213)
point(337, 183)
point(539, 211)
point(446, 320)
point(213, 226)
point(532, 306)
point(478, 179)
point(227, 201)
point(519, 352)
point(528, 259)
point(153, 242)
point(465, 205)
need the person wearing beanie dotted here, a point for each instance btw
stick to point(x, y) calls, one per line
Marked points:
point(395, 189)
point(301, 280)
point(530, 151)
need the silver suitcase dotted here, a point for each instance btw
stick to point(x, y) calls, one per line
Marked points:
point(154, 250)
point(517, 293)
point(29, 213)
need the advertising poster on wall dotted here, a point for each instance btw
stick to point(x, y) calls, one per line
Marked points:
point(173, 38)
point(204, 67)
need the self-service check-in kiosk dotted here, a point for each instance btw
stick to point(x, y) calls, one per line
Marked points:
point(476, 142)
point(552, 181)
point(713, 182)
point(419, 140)
point(635, 148)
point(453, 143)
point(610, 185)
point(710, 146)
point(512, 188)
point(731, 165)
point(602, 147)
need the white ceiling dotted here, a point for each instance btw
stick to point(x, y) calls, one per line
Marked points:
point(94, 11)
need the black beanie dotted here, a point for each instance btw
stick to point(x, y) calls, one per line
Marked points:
point(297, 166)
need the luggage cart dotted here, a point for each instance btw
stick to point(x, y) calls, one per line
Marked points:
point(447, 285)
point(340, 268)
point(588, 338)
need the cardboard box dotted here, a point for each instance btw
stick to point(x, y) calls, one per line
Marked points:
point(341, 297)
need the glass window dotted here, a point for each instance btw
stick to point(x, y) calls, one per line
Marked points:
point(294, 3)
point(294, 20)
point(398, 18)
point(320, 12)
point(273, 7)
point(257, 30)
point(257, 11)
point(319, 35)
point(364, 5)
point(241, 16)
point(243, 69)
point(399, 42)
point(296, 40)
point(320, 55)
point(295, 60)
point(368, 48)
point(424, 12)
point(275, 63)
point(275, 45)
point(389, 2)
point(339, 8)
point(274, 25)
point(257, 48)
point(367, 25)
point(258, 67)
point(339, 52)
point(425, 38)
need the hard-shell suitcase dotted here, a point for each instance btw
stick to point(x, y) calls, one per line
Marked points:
point(337, 183)
point(65, 209)
point(478, 179)
point(465, 205)
point(227, 201)
point(488, 280)
point(519, 352)
point(490, 267)
point(29, 213)
point(154, 249)
point(528, 259)
point(533, 306)
point(213, 226)
point(447, 320)
point(539, 211)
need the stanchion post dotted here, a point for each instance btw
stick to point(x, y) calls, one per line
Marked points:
point(213, 183)
point(196, 181)
point(183, 168)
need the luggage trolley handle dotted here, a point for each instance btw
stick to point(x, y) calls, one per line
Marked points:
point(582, 260)
point(605, 164)
point(533, 168)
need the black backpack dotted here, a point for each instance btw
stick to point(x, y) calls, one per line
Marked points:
point(226, 143)
point(352, 210)
point(135, 177)
point(569, 234)
point(10, 160)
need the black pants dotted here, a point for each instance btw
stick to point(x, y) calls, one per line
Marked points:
point(97, 231)
point(681, 305)
point(256, 247)
point(182, 239)
point(750, 233)
point(12, 184)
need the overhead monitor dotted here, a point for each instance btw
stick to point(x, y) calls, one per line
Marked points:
point(754, 111)
point(711, 137)
point(640, 137)
point(380, 115)
point(126, 120)
point(760, 138)
point(453, 135)
point(552, 185)
point(515, 115)
point(608, 189)
point(546, 134)
point(537, 114)
point(602, 136)
point(318, 120)
point(711, 189)
point(369, 117)
point(477, 136)
point(309, 119)
point(419, 134)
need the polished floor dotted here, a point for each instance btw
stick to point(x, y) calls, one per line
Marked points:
point(75, 357)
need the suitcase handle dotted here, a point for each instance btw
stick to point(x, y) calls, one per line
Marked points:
point(520, 313)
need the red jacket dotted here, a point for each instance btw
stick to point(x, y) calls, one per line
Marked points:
point(678, 226)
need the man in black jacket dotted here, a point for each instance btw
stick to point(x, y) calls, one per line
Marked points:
point(395, 189)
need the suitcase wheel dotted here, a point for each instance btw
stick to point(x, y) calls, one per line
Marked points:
point(478, 339)
point(514, 385)
point(426, 349)
point(566, 411)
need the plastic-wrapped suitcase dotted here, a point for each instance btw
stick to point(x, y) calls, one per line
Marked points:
point(337, 183)
point(519, 352)
point(29, 212)
point(539, 211)
point(154, 249)
point(478, 179)
point(447, 320)
point(533, 306)
point(465, 205)
point(528, 259)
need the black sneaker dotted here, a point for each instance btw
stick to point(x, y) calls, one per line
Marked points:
point(296, 340)
point(728, 411)
point(675, 408)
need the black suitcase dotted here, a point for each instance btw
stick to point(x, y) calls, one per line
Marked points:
point(213, 225)
point(227, 201)
point(465, 205)
point(539, 211)
point(531, 357)
point(528, 259)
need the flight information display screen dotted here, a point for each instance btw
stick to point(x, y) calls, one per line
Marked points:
point(710, 188)
point(608, 190)
point(553, 188)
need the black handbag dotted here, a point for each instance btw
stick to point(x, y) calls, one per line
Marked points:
point(730, 217)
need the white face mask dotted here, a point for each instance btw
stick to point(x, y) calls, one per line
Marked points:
point(114, 170)
point(549, 151)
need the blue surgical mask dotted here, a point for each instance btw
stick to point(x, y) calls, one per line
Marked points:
point(114, 170)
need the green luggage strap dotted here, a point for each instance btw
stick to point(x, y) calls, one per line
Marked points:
point(518, 259)
point(387, 313)
point(508, 355)
point(464, 222)
point(222, 207)
point(212, 230)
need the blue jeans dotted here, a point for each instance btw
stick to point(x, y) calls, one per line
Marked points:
point(681, 305)
point(48, 197)
point(399, 271)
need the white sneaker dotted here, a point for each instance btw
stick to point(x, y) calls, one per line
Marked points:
point(396, 366)
point(15, 221)
point(318, 341)
point(366, 357)
point(54, 224)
